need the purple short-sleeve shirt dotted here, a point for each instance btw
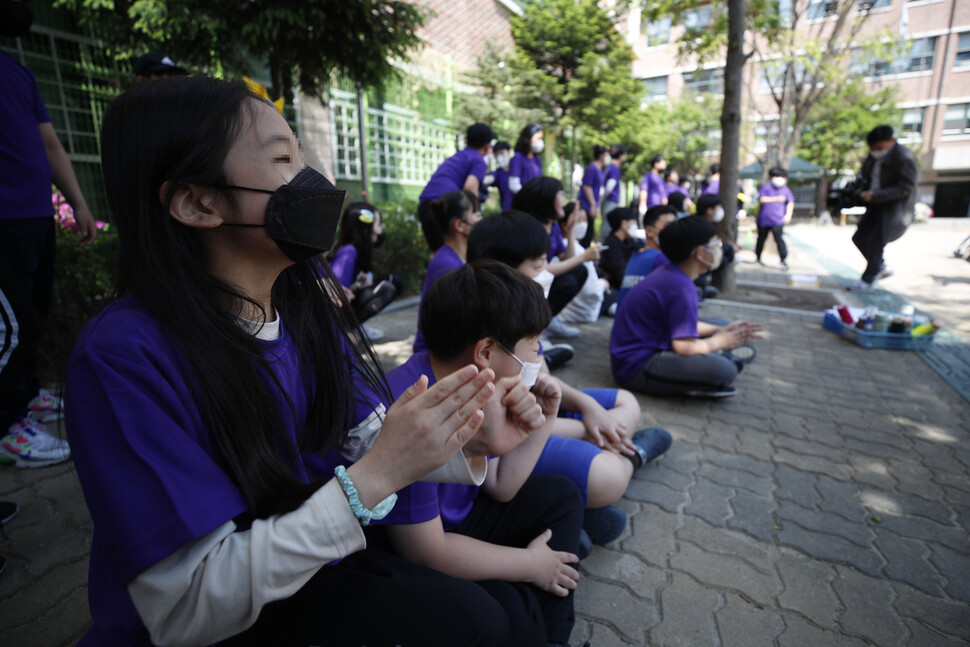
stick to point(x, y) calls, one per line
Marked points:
point(593, 178)
point(612, 172)
point(557, 244)
point(453, 172)
point(502, 183)
point(773, 213)
point(444, 260)
point(525, 168)
point(660, 308)
point(344, 265)
point(653, 183)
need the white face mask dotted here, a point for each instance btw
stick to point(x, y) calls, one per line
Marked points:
point(545, 279)
point(538, 147)
point(607, 160)
point(778, 182)
point(503, 161)
point(580, 230)
point(717, 254)
point(878, 155)
point(530, 370)
point(719, 214)
point(489, 160)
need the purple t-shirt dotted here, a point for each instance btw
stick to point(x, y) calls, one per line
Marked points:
point(453, 172)
point(525, 168)
point(25, 173)
point(713, 187)
point(638, 267)
point(557, 244)
point(675, 188)
point(660, 308)
point(344, 265)
point(152, 478)
point(502, 184)
point(773, 213)
point(420, 502)
point(444, 260)
point(612, 172)
point(653, 183)
point(593, 178)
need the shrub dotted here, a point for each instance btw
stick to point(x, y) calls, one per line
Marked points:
point(404, 252)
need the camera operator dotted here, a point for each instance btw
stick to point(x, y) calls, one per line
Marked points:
point(890, 172)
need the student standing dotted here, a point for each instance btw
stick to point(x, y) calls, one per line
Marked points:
point(527, 161)
point(592, 187)
point(653, 189)
point(777, 206)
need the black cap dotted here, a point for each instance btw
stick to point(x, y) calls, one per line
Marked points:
point(156, 63)
point(681, 237)
point(478, 135)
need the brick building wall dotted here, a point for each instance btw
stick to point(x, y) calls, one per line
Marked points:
point(461, 28)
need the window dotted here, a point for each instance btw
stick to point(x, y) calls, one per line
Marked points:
point(919, 58)
point(695, 18)
point(956, 120)
point(705, 81)
point(765, 132)
point(658, 32)
point(818, 9)
point(654, 89)
point(912, 122)
point(963, 50)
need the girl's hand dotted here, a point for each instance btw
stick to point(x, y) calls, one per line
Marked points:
point(511, 415)
point(592, 252)
point(552, 571)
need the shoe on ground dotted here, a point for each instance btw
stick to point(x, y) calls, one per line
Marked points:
point(8, 510)
point(611, 311)
point(710, 292)
point(783, 266)
point(604, 525)
point(860, 286)
point(373, 334)
point(30, 445)
point(559, 329)
point(884, 273)
point(744, 353)
point(759, 261)
point(585, 545)
point(46, 407)
point(651, 443)
point(557, 355)
point(715, 393)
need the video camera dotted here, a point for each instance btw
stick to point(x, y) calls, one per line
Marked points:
point(849, 195)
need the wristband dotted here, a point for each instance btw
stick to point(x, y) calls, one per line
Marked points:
point(364, 516)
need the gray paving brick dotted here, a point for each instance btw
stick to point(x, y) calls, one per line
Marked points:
point(827, 522)
point(879, 450)
point(709, 501)
point(917, 528)
point(59, 622)
point(653, 535)
point(955, 567)
point(687, 611)
point(597, 633)
point(736, 478)
point(807, 589)
point(796, 486)
point(906, 561)
point(924, 636)
point(753, 515)
point(829, 547)
point(742, 622)
point(839, 497)
point(625, 568)
point(815, 464)
point(801, 633)
point(725, 571)
point(616, 607)
point(872, 472)
point(658, 493)
point(906, 505)
point(948, 617)
point(660, 473)
point(868, 608)
point(721, 541)
point(739, 462)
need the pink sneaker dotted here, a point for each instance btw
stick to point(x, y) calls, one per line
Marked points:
point(30, 445)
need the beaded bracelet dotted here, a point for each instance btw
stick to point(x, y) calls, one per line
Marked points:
point(364, 516)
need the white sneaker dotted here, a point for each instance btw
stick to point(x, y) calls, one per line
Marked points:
point(30, 445)
point(559, 329)
point(884, 273)
point(46, 407)
point(373, 334)
point(860, 286)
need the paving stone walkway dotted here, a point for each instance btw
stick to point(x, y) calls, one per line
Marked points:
point(827, 504)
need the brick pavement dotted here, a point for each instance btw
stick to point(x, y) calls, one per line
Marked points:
point(828, 503)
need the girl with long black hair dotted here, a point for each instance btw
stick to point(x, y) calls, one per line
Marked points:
point(205, 405)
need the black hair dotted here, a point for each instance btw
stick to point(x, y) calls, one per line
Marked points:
point(452, 205)
point(670, 172)
point(620, 215)
point(473, 199)
point(356, 225)
point(599, 151)
point(538, 198)
point(707, 201)
point(617, 150)
point(681, 237)
point(524, 143)
point(481, 299)
point(653, 214)
point(569, 208)
point(655, 159)
point(777, 171)
point(675, 200)
point(501, 146)
point(511, 237)
point(478, 135)
point(163, 266)
point(879, 134)
point(715, 168)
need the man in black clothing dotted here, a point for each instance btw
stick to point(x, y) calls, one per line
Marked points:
point(890, 172)
point(616, 251)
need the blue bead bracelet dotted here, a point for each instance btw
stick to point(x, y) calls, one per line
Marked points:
point(364, 516)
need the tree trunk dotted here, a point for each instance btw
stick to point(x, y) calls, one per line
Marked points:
point(731, 137)
point(822, 195)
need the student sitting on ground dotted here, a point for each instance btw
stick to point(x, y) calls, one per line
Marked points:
point(361, 232)
point(452, 217)
point(619, 246)
point(604, 418)
point(517, 535)
point(658, 346)
point(650, 257)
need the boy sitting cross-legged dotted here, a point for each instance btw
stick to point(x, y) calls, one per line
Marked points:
point(517, 535)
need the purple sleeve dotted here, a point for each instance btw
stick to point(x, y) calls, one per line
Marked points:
point(515, 166)
point(478, 167)
point(789, 195)
point(345, 265)
point(682, 316)
point(589, 177)
point(644, 183)
point(40, 110)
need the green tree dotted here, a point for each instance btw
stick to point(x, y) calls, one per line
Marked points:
point(301, 42)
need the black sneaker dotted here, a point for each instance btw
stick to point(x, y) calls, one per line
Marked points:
point(650, 443)
point(557, 355)
point(605, 524)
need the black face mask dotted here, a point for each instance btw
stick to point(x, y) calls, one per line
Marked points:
point(301, 216)
point(15, 18)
